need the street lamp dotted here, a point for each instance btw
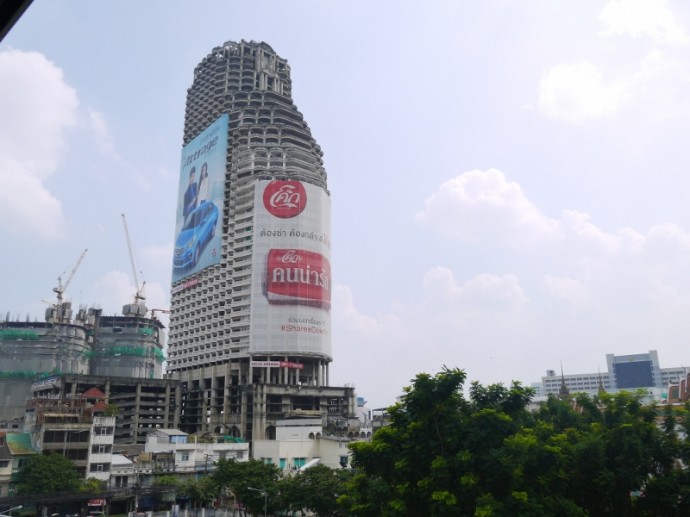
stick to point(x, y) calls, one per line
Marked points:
point(10, 510)
point(263, 493)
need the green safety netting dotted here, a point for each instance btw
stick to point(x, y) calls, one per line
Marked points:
point(132, 351)
point(16, 334)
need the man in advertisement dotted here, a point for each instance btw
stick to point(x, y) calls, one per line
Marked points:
point(190, 194)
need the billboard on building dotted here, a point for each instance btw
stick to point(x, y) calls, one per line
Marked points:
point(291, 276)
point(200, 201)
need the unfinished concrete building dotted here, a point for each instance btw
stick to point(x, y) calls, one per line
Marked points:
point(138, 405)
point(73, 428)
point(249, 334)
point(129, 346)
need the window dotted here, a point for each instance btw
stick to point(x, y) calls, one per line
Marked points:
point(185, 456)
point(100, 467)
point(101, 449)
point(282, 463)
point(299, 462)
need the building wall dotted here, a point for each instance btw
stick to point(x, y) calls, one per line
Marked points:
point(101, 448)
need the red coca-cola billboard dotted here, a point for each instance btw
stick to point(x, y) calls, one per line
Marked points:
point(298, 277)
point(291, 270)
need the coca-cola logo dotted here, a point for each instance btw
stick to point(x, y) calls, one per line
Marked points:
point(285, 199)
point(291, 257)
point(300, 277)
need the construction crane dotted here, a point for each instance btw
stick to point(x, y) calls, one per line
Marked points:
point(154, 311)
point(61, 288)
point(139, 295)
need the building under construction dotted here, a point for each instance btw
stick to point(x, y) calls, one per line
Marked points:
point(128, 346)
point(138, 404)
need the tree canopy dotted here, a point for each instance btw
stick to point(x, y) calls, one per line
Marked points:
point(488, 455)
point(47, 474)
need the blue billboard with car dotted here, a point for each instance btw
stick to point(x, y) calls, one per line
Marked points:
point(200, 201)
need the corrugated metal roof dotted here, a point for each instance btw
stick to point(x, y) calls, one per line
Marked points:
point(19, 443)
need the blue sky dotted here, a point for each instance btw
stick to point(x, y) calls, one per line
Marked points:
point(508, 178)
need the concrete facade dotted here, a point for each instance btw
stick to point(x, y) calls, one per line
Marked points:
point(139, 404)
point(211, 312)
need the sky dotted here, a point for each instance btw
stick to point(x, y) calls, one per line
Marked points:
point(509, 178)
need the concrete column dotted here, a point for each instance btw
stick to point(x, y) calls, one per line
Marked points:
point(137, 409)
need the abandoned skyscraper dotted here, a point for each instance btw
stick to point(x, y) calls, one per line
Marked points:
point(250, 326)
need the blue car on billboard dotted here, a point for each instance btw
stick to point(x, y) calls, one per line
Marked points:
point(199, 228)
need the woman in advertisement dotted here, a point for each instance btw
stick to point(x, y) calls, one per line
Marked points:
point(202, 190)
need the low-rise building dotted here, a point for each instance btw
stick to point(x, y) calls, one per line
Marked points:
point(301, 442)
point(68, 426)
point(15, 451)
point(174, 451)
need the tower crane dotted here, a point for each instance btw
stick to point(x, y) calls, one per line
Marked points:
point(61, 288)
point(139, 296)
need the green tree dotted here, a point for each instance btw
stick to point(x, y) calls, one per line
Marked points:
point(46, 474)
point(488, 455)
point(417, 455)
point(93, 485)
point(316, 489)
point(247, 480)
point(199, 491)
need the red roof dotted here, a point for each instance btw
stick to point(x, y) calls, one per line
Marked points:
point(93, 393)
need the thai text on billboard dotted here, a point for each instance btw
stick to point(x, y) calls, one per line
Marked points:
point(277, 364)
point(200, 201)
point(291, 276)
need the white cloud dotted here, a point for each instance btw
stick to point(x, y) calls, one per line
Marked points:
point(578, 92)
point(119, 288)
point(101, 132)
point(637, 18)
point(484, 291)
point(37, 106)
point(571, 290)
point(650, 79)
point(484, 205)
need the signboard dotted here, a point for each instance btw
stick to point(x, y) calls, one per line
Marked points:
point(291, 275)
point(200, 201)
point(277, 364)
point(187, 284)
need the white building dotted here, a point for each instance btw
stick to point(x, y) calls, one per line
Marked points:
point(101, 447)
point(189, 454)
point(301, 442)
point(624, 372)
